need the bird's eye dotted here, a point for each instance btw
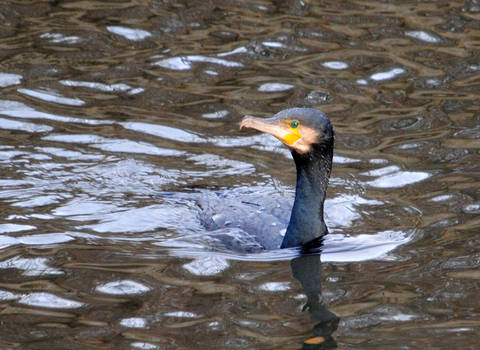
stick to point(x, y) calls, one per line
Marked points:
point(294, 124)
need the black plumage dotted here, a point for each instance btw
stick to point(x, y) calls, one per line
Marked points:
point(309, 135)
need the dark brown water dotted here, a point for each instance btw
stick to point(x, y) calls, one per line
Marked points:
point(105, 104)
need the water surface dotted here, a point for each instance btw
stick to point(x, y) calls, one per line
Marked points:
point(104, 105)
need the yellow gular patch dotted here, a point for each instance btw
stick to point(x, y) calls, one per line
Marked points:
point(290, 139)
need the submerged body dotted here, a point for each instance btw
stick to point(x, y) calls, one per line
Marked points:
point(275, 223)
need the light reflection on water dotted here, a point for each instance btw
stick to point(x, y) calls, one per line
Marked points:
point(49, 301)
point(121, 104)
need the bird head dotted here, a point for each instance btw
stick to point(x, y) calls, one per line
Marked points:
point(300, 129)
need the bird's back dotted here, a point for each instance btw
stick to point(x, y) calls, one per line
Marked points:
point(263, 216)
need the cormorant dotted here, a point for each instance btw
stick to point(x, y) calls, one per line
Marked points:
point(309, 135)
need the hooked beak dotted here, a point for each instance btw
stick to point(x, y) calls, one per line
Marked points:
point(273, 126)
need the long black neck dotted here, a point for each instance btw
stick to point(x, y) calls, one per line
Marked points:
point(313, 172)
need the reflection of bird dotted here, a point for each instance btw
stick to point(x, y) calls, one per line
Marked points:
point(308, 270)
point(309, 136)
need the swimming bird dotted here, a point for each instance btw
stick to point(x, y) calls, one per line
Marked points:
point(309, 135)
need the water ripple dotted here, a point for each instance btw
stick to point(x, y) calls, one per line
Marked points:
point(6, 228)
point(166, 132)
point(49, 301)
point(274, 286)
point(7, 124)
point(399, 179)
point(424, 36)
point(134, 322)
point(337, 65)
point(129, 33)
point(20, 110)
point(31, 267)
point(58, 38)
point(115, 145)
point(52, 97)
point(185, 62)
point(336, 248)
point(207, 266)
point(387, 75)
point(275, 87)
point(147, 346)
point(124, 287)
point(97, 86)
point(8, 79)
